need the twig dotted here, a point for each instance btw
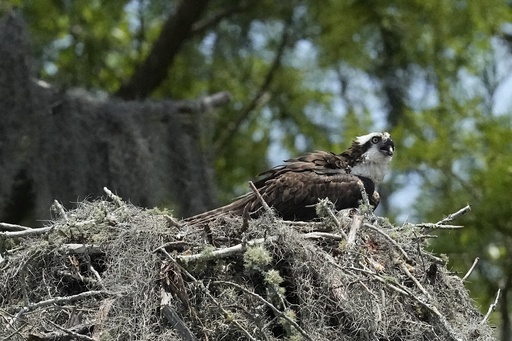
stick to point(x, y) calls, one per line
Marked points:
point(207, 292)
point(426, 236)
point(90, 249)
point(16, 331)
point(72, 333)
point(364, 195)
point(405, 291)
point(175, 245)
point(354, 227)
point(324, 204)
point(24, 291)
point(96, 274)
point(177, 323)
point(260, 198)
point(388, 238)
point(307, 226)
point(60, 210)
point(66, 299)
point(379, 278)
point(271, 306)
point(27, 232)
point(455, 215)
point(435, 259)
point(492, 307)
point(13, 227)
point(101, 317)
point(223, 252)
point(113, 197)
point(323, 235)
point(56, 300)
point(438, 226)
point(415, 280)
point(58, 335)
point(470, 269)
point(86, 280)
point(239, 248)
point(172, 221)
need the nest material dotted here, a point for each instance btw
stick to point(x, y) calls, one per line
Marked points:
point(113, 271)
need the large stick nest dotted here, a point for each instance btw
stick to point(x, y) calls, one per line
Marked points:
point(108, 270)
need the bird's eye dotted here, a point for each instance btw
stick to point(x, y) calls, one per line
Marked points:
point(375, 139)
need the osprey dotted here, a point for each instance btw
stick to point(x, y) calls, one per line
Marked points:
point(294, 188)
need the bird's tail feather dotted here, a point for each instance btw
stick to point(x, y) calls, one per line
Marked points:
point(237, 207)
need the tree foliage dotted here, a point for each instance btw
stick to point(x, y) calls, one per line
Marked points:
point(306, 75)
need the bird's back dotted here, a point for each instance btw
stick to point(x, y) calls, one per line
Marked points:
point(294, 188)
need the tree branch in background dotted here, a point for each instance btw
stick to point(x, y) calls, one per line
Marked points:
point(259, 95)
point(153, 70)
point(210, 22)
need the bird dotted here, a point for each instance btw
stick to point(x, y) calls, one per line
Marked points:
point(294, 188)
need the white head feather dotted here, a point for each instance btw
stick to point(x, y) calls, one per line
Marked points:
point(375, 162)
point(365, 138)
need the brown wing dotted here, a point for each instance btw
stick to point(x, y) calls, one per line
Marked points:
point(294, 194)
point(294, 188)
point(321, 162)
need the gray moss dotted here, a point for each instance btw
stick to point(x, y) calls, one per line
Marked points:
point(306, 287)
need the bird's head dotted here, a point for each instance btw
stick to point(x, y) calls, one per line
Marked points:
point(371, 155)
point(375, 147)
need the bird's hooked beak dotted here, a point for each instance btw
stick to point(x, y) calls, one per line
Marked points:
point(387, 147)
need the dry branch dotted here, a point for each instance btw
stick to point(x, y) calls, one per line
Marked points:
point(177, 323)
point(357, 220)
point(113, 197)
point(280, 313)
point(475, 262)
point(81, 249)
point(101, 317)
point(69, 275)
point(211, 297)
point(327, 206)
point(240, 248)
point(26, 233)
point(72, 333)
point(172, 221)
point(61, 300)
point(492, 307)
point(260, 198)
point(81, 329)
point(13, 227)
point(455, 215)
point(220, 253)
point(364, 195)
point(60, 209)
point(389, 239)
point(323, 235)
point(415, 280)
point(438, 226)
